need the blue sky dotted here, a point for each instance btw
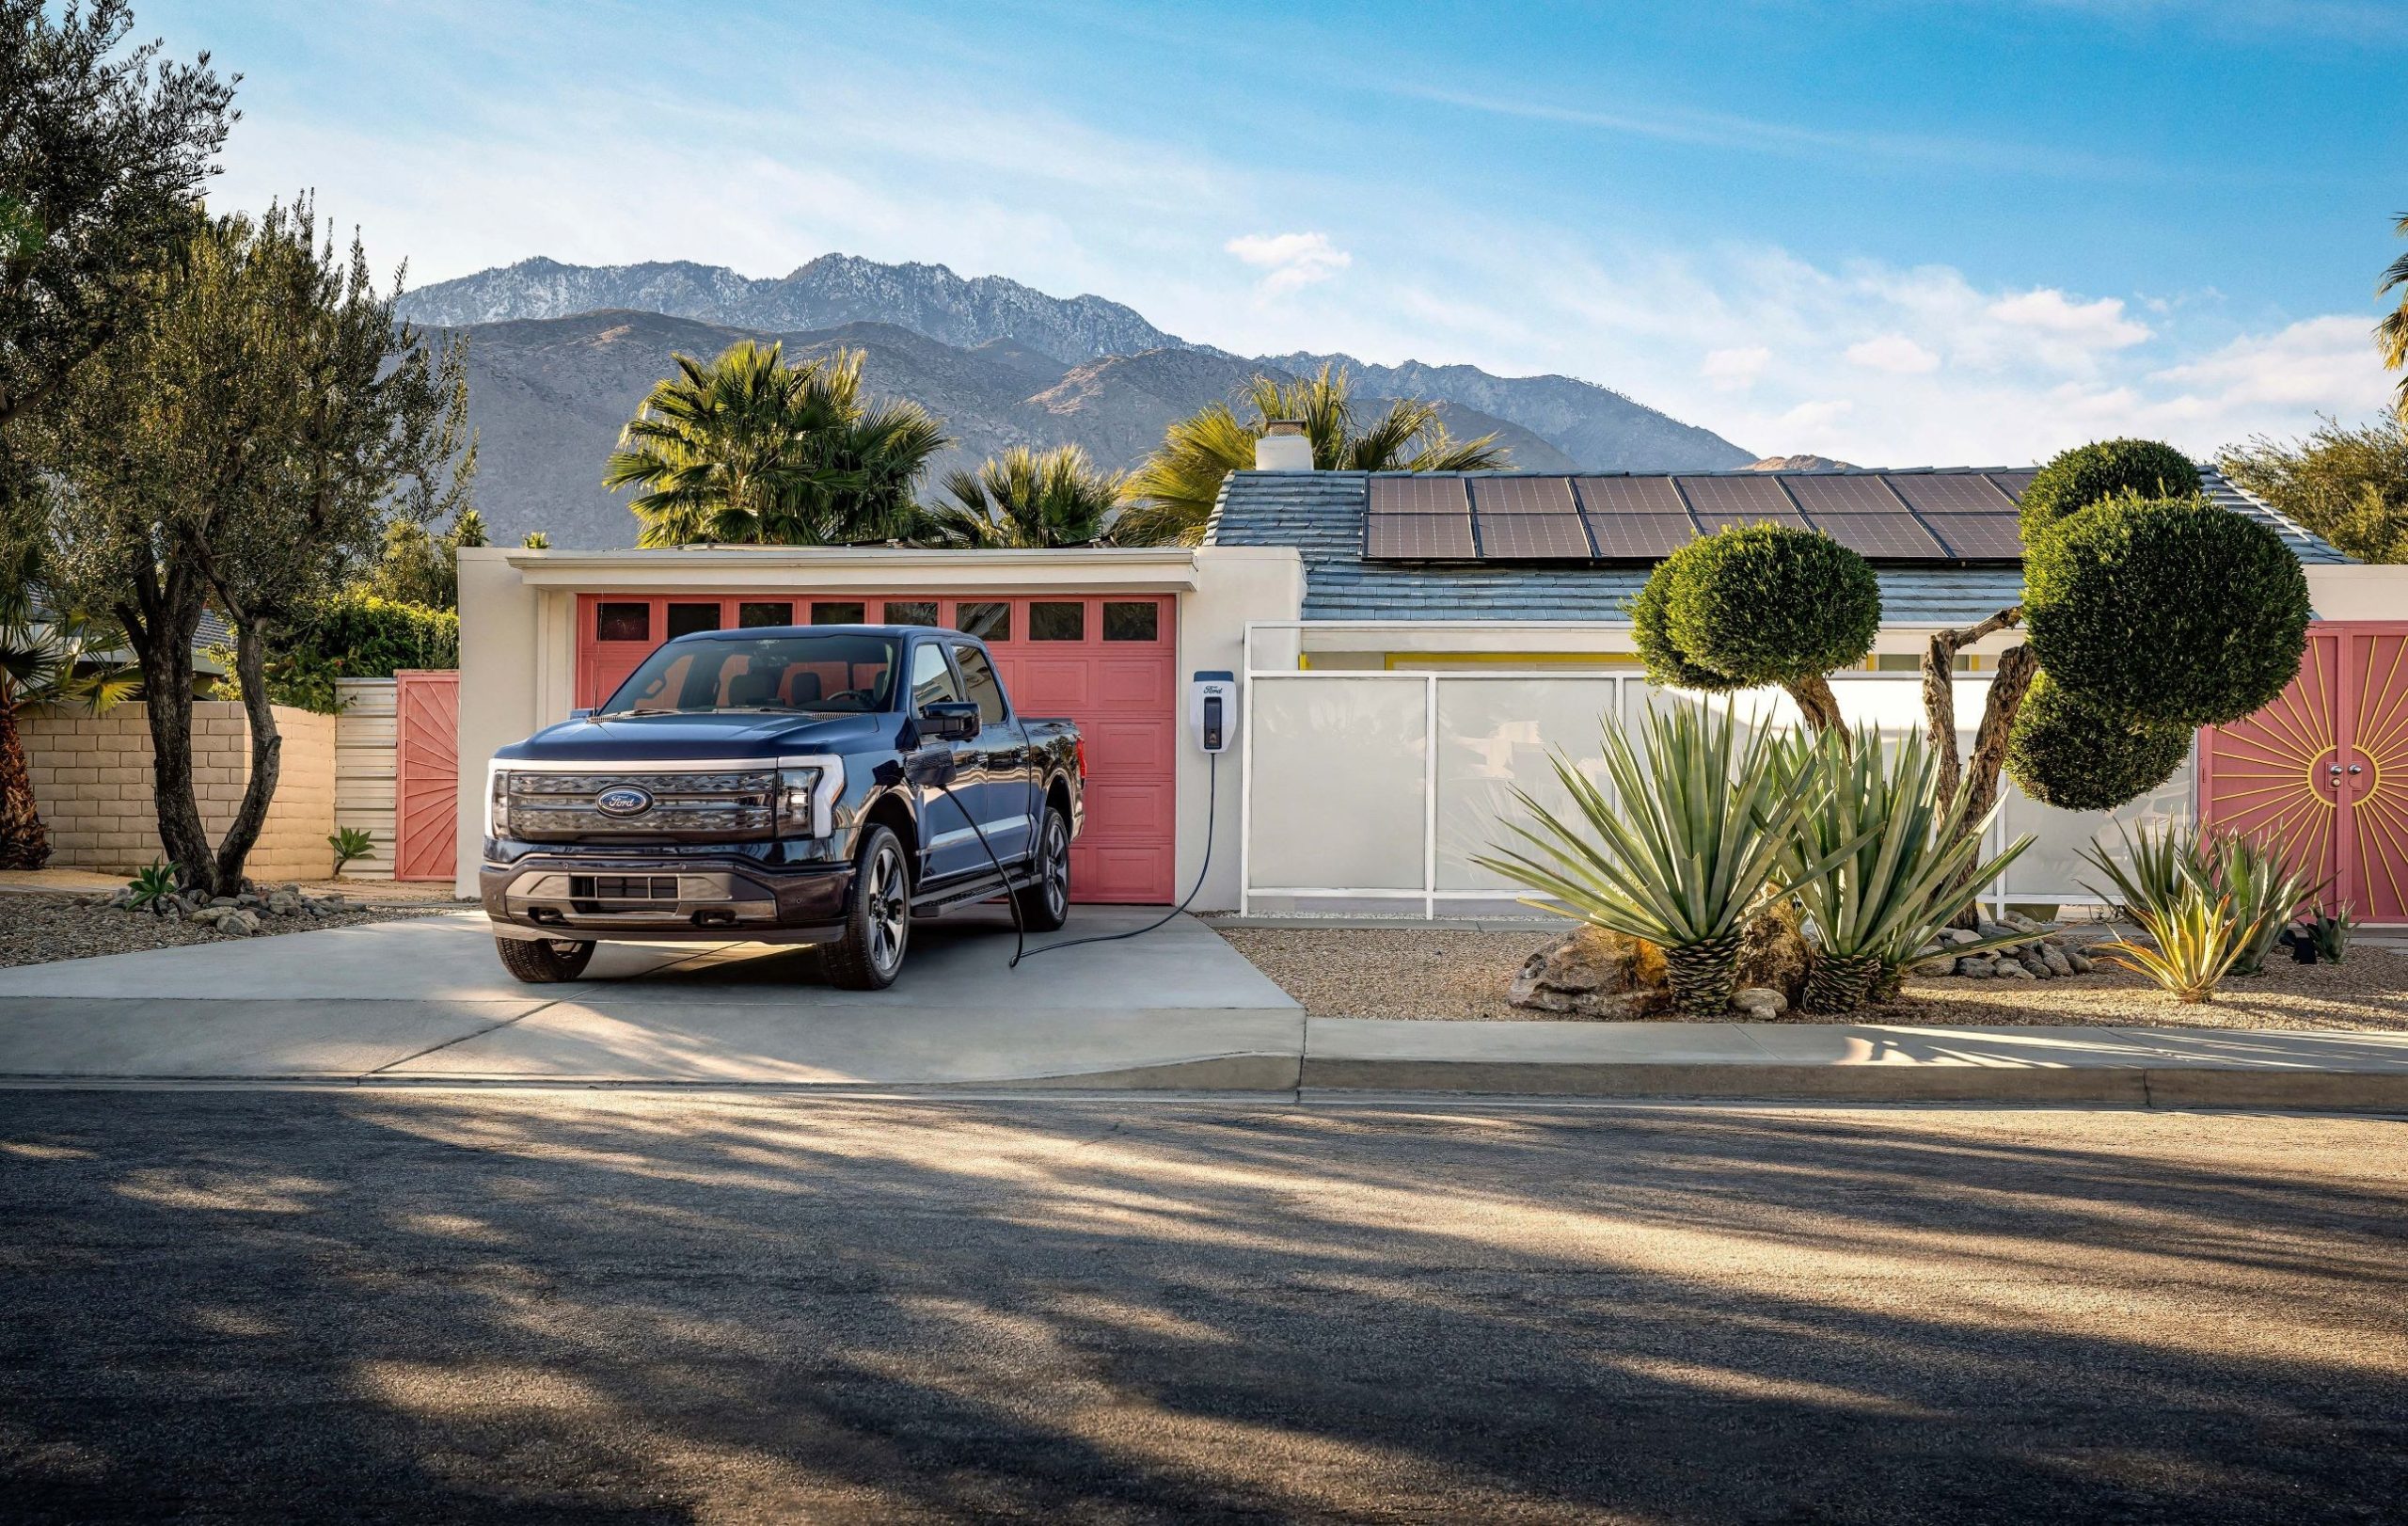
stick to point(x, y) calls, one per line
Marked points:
point(1964, 233)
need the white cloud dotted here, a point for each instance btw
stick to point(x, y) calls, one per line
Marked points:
point(2066, 331)
point(1735, 369)
point(1293, 259)
point(1892, 353)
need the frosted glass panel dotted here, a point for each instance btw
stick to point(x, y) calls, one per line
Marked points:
point(1495, 734)
point(1339, 773)
point(2052, 869)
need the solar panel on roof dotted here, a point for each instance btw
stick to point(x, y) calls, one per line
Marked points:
point(1896, 536)
point(1628, 495)
point(1835, 494)
point(1951, 492)
point(1420, 494)
point(1522, 494)
point(1419, 537)
point(1640, 536)
point(2013, 482)
point(1978, 537)
point(1555, 537)
point(1724, 502)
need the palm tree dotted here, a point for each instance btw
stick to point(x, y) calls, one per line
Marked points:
point(2391, 335)
point(46, 658)
point(1173, 491)
point(1022, 498)
point(748, 449)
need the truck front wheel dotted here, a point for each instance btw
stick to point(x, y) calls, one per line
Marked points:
point(541, 963)
point(877, 925)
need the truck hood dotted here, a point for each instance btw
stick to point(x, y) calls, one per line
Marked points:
point(689, 737)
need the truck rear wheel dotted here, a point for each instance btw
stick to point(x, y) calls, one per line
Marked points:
point(1045, 906)
point(877, 925)
point(541, 963)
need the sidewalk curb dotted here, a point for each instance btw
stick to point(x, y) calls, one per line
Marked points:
point(2187, 1086)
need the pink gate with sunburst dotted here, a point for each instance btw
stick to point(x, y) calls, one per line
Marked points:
point(2323, 771)
point(426, 774)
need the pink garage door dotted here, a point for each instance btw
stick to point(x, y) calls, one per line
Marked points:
point(2325, 769)
point(1104, 660)
point(426, 775)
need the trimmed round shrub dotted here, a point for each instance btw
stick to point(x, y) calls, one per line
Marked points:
point(2173, 611)
point(2089, 474)
point(2065, 754)
point(1664, 664)
point(1764, 604)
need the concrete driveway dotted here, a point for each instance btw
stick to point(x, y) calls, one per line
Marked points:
point(427, 1000)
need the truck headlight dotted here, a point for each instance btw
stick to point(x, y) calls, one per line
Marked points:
point(797, 796)
point(497, 803)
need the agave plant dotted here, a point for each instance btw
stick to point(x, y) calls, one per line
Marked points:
point(2195, 935)
point(2332, 932)
point(1695, 847)
point(2265, 892)
point(1910, 870)
point(2162, 864)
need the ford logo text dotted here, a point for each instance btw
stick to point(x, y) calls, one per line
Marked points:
point(623, 800)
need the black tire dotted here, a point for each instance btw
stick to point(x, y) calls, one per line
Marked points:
point(1045, 906)
point(877, 924)
point(541, 963)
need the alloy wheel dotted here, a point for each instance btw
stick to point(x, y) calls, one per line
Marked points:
point(889, 908)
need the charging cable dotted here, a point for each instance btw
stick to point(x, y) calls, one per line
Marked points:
point(1020, 930)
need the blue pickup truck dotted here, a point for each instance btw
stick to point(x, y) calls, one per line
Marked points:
point(799, 784)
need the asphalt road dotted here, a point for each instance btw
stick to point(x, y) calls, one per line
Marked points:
point(599, 1307)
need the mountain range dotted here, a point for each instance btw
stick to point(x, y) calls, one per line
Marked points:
point(560, 355)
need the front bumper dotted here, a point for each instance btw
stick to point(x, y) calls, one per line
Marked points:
point(605, 896)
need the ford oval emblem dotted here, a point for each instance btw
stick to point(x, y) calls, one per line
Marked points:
point(623, 800)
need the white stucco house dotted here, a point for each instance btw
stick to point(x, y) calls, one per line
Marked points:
point(1408, 649)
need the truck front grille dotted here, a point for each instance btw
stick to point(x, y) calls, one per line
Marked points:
point(738, 805)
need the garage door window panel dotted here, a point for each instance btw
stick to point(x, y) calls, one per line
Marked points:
point(1132, 620)
point(751, 616)
point(988, 622)
point(617, 621)
point(915, 611)
point(1052, 620)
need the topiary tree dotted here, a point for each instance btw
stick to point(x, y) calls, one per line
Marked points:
point(2151, 616)
point(2166, 611)
point(2063, 753)
point(1756, 605)
point(2108, 469)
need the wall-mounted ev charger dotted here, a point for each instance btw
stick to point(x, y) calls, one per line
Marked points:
point(1212, 708)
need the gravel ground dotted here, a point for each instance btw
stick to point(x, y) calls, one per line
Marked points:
point(39, 930)
point(1451, 977)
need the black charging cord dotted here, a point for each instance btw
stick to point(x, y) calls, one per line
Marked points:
point(1020, 932)
point(1212, 808)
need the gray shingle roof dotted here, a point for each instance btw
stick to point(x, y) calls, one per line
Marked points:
point(1321, 514)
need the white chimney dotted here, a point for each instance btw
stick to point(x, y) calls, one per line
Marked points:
point(1283, 447)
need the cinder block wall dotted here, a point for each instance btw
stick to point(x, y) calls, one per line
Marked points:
point(91, 779)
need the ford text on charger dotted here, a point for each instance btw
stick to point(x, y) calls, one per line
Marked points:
point(798, 785)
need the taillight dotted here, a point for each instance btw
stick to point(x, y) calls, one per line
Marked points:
point(1079, 754)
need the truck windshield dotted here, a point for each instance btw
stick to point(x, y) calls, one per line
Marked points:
point(839, 673)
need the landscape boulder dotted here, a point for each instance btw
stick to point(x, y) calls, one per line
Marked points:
point(1774, 954)
point(1591, 972)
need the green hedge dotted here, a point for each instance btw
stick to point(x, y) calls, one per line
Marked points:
point(363, 636)
point(2170, 612)
point(2090, 474)
point(1665, 663)
point(2063, 753)
point(1763, 604)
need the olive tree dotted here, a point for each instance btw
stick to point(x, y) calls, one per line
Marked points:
point(1757, 605)
point(104, 150)
point(246, 446)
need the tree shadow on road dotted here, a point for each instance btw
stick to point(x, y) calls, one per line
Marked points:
point(606, 1307)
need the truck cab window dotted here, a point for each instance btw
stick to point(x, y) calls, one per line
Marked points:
point(979, 676)
point(931, 678)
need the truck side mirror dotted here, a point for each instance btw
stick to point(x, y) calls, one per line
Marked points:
point(950, 720)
